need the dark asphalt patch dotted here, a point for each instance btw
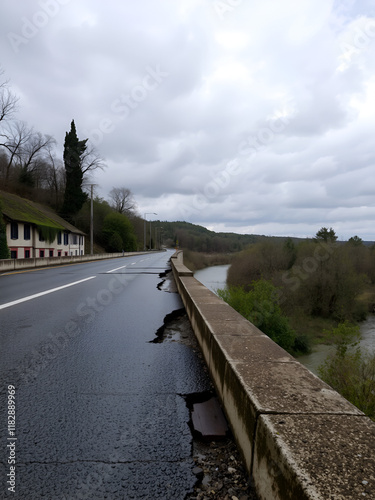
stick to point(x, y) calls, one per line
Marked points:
point(207, 421)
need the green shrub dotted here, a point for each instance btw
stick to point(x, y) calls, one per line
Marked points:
point(115, 243)
point(260, 261)
point(260, 306)
point(301, 345)
point(116, 228)
point(350, 371)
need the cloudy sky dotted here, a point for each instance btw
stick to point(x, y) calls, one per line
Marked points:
point(245, 116)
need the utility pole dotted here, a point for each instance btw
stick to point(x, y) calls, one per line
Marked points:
point(144, 236)
point(92, 221)
point(158, 237)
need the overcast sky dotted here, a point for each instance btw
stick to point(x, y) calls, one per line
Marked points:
point(244, 116)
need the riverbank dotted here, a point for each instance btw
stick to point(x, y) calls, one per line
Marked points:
point(315, 329)
point(196, 261)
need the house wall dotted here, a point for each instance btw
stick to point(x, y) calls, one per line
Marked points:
point(21, 248)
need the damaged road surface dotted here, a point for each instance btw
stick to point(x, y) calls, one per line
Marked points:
point(99, 408)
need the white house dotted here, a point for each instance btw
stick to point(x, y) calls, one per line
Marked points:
point(34, 230)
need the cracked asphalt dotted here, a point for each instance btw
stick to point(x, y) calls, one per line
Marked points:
point(100, 411)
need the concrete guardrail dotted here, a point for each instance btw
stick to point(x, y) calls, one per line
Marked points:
point(299, 438)
point(7, 265)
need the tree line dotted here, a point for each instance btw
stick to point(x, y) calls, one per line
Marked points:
point(197, 238)
point(284, 286)
point(318, 277)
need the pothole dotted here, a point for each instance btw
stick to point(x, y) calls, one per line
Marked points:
point(167, 284)
point(207, 421)
point(218, 465)
point(173, 328)
point(165, 273)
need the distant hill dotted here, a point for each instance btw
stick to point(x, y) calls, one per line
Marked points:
point(200, 239)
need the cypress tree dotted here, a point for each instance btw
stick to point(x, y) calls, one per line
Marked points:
point(74, 197)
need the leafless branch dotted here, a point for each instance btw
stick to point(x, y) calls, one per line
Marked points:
point(122, 200)
point(91, 160)
point(36, 147)
point(14, 139)
point(8, 100)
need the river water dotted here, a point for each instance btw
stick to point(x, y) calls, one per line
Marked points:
point(215, 277)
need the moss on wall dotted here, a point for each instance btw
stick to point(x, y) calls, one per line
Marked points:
point(48, 233)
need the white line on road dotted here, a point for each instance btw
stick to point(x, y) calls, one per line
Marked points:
point(30, 297)
point(117, 268)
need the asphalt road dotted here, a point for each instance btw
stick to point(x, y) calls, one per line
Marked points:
point(99, 408)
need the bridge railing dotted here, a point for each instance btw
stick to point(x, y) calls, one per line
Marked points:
point(299, 438)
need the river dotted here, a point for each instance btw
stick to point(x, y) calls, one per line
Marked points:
point(215, 277)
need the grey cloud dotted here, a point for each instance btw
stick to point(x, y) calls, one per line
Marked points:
point(225, 83)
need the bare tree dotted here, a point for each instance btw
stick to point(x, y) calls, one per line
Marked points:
point(34, 154)
point(122, 200)
point(8, 100)
point(8, 106)
point(14, 139)
point(91, 160)
point(55, 177)
point(26, 150)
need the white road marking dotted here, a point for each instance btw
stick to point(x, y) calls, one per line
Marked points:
point(117, 268)
point(30, 297)
point(122, 267)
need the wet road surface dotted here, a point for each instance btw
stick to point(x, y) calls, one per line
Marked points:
point(100, 411)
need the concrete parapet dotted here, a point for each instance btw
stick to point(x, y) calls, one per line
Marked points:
point(178, 264)
point(6, 265)
point(299, 438)
point(314, 457)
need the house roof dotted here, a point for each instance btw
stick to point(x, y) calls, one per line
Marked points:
point(21, 210)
